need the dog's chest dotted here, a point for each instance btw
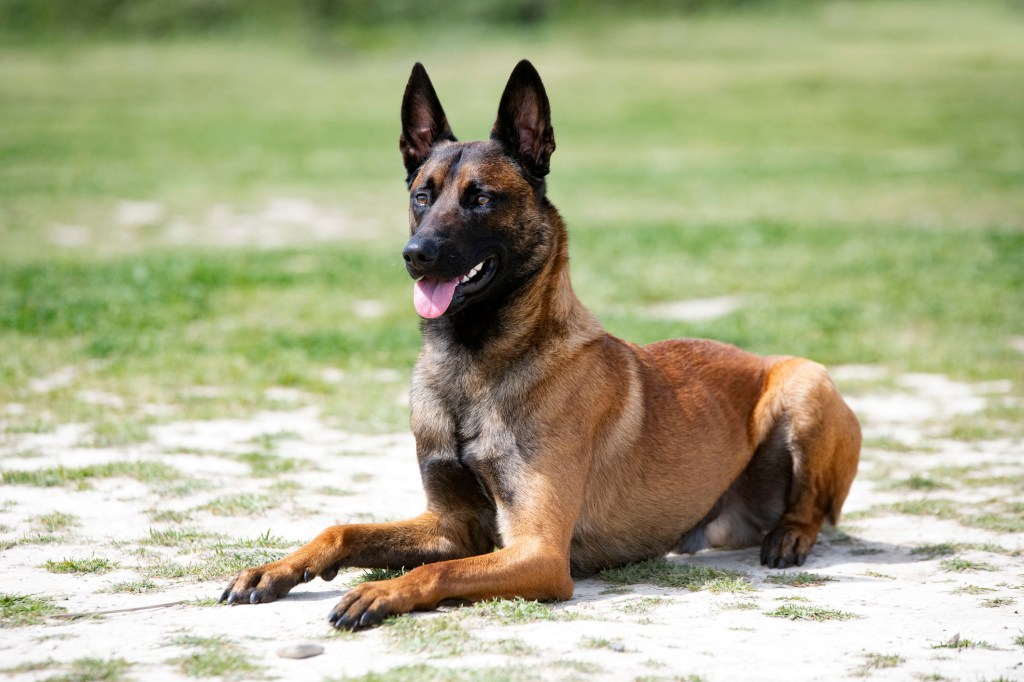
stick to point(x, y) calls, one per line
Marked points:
point(490, 445)
point(473, 429)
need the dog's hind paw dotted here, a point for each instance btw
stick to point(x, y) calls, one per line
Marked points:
point(786, 546)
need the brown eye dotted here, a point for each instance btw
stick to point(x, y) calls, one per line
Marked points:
point(421, 199)
point(482, 199)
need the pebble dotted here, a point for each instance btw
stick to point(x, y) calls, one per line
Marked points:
point(304, 650)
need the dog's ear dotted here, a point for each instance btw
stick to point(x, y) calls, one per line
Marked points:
point(524, 121)
point(423, 121)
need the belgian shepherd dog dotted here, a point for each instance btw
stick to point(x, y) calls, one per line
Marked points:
point(548, 448)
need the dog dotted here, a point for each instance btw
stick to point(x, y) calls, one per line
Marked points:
point(548, 448)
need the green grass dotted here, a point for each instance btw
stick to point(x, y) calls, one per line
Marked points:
point(516, 611)
point(665, 573)
point(373, 574)
point(815, 613)
point(94, 670)
point(874, 661)
point(643, 605)
point(134, 586)
point(80, 565)
point(706, 163)
point(147, 472)
point(422, 672)
point(439, 636)
point(221, 562)
point(182, 538)
point(960, 565)
point(973, 589)
point(800, 579)
point(55, 521)
point(958, 643)
point(935, 550)
point(269, 464)
point(17, 610)
point(242, 504)
point(216, 657)
point(997, 602)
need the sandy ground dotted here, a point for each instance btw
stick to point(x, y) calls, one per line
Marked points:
point(906, 605)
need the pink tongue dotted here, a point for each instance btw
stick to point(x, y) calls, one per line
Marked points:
point(432, 296)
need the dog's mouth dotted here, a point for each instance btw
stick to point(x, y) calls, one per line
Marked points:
point(432, 297)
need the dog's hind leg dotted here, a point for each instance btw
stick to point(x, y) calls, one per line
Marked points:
point(801, 410)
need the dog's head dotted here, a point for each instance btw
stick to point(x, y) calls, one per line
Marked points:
point(476, 209)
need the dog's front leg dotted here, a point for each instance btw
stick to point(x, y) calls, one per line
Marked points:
point(534, 564)
point(425, 538)
point(528, 570)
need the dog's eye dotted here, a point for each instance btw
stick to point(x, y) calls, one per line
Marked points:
point(421, 198)
point(482, 199)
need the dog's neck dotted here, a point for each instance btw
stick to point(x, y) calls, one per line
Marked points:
point(541, 307)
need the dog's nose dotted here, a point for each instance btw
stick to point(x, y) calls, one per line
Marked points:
point(420, 252)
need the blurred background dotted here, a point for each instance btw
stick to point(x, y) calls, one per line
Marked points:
point(202, 203)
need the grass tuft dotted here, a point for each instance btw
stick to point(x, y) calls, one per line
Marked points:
point(94, 670)
point(375, 574)
point(19, 610)
point(815, 613)
point(958, 565)
point(694, 577)
point(216, 657)
point(84, 565)
point(439, 635)
point(516, 611)
point(801, 579)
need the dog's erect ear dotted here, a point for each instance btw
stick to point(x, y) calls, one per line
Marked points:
point(524, 121)
point(423, 121)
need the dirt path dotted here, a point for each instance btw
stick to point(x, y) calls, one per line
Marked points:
point(924, 578)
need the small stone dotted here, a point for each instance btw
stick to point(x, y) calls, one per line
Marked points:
point(618, 646)
point(304, 650)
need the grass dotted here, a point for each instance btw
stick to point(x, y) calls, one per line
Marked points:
point(439, 636)
point(960, 565)
point(18, 610)
point(216, 657)
point(221, 562)
point(55, 521)
point(134, 586)
point(801, 579)
point(602, 643)
point(815, 613)
point(733, 151)
point(997, 602)
point(874, 661)
point(516, 611)
point(242, 504)
point(665, 573)
point(144, 471)
point(374, 574)
point(80, 565)
point(94, 670)
point(958, 643)
point(643, 605)
point(973, 589)
point(422, 672)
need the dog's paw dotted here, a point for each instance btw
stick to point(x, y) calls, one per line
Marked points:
point(367, 605)
point(263, 584)
point(786, 546)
